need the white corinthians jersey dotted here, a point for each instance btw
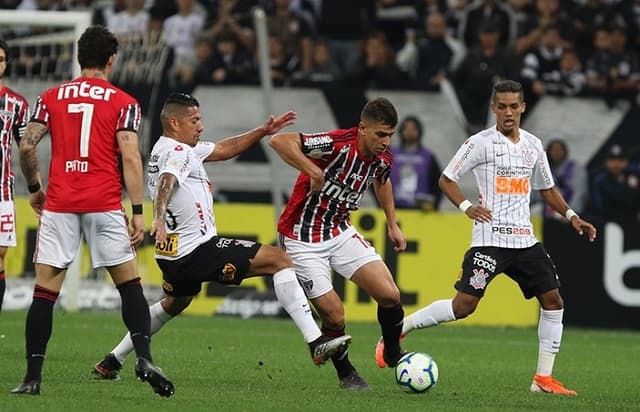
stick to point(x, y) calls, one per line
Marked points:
point(189, 220)
point(505, 173)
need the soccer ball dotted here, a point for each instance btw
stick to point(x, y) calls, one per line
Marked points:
point(416, 372)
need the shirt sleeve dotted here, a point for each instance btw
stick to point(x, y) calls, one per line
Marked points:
point(541, 177)
point(129, 118)
point(465, 159)
point(21, 122)
point(40, 112)
point(204, 149)
point(316, 145)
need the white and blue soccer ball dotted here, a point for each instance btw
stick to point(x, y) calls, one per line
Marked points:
point(416, 372)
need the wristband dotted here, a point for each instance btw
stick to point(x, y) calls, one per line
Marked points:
point(464, 205)
point(136, 209)
point(569, 214)
point(34, 187)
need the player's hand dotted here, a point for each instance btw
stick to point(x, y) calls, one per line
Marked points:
point(582, 226)
point(274, 124)
point(397, 237)
point(479, 213)
point(158, 230)
point(36, 200)
point(137, 235)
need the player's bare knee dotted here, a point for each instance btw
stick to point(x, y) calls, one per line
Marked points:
point(462, 309)
point(175, 305)
point(389, 299)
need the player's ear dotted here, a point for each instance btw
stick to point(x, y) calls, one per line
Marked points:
point(524, 106)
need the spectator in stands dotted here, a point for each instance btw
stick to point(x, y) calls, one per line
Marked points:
point(181, 31)
point(547, 13)
point(628, 11)
point(283, 65)
point(187, 76)
point(232, 17)
point(394, 17)
point(542, 64)
point(614, 70)
point(345, 24)
point(475, 16)
point(415, 171)
point(377, 68)
point(615, 191)
point(438, 54)
point(133, 20)
point(293, 30)
point(430, 57)
point(570, 177)
point(103, 13)
point(323, 69)
point(482, 66)
point(230, 64)
point(588, 16)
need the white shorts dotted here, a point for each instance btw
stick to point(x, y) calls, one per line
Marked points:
point(7, 224)
point(106, 233)
point(345, 253)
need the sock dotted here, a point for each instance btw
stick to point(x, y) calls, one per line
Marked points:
point(432, 315)
point(135, 314)
point(340, 360)
point(390, 320)
point(293, 300)
point(550, 336)
point(38, 330)
point(2, 288)
point(158, 318)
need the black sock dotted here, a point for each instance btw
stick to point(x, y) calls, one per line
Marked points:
point(38, 330)
point(341, 359)
point(135, 313)
point(390, 320)
point(2, 287)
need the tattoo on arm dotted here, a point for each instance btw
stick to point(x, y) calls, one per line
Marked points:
point(28, 155)
point(167, 185)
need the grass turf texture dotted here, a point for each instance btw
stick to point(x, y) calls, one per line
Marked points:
point(228, 364)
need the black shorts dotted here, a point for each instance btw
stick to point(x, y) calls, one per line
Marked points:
point(532, 268)
point(220, 259)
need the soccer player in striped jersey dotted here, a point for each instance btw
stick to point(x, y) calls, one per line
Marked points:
point(14, 114)
point(507, 163)
point(91, 123)
point(315, 229)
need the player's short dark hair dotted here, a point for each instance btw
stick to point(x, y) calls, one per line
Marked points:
point(182, 99)
point(380, 110)
point(4, 46)
point(96, 45)
point(507, 86)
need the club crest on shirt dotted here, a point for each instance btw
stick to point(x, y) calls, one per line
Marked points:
point(228, 272)
point(527, 154)
point(6, 115)
point(479, 279)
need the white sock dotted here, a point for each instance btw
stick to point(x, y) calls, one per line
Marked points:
point(432, 315)
point(550, 336)
point(158, 318)
point(293, 300)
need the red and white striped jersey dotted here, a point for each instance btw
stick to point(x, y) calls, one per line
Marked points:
point(505, 173)
point(83, 117)
point(14, 114)
point(325, 214)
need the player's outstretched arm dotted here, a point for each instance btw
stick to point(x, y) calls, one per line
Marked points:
point(235, 145)
point(289, 148)
point(384, 194)
point(556, 201)
point(29, 163)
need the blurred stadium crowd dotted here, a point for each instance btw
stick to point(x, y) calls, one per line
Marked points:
point(557, 47)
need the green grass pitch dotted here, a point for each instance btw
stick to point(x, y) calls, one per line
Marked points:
point(228, 364)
